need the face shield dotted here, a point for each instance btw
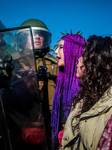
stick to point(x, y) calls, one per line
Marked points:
point(22, 123)
point(41, 37)
point(2, 42)
point(37, 38)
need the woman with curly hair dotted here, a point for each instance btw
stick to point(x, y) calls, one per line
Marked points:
point(92, 106)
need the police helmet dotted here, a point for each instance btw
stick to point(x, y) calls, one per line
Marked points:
point(41, 35)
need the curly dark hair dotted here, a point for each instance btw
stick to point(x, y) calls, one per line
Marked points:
point(97, 58)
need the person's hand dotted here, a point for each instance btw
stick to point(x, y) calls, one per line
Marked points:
point(6, 68)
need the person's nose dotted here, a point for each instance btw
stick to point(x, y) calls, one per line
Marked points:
point(56, 51)
point(37, 37)
point(78, 62)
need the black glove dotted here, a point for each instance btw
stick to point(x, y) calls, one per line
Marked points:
point(6, 68)
point(41, 73)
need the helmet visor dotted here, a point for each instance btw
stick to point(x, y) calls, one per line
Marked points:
point(41, 39)
point(35, 38)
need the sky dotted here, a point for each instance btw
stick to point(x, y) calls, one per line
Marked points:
point(89, 16)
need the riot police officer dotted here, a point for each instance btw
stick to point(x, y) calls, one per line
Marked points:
point(46, 65)
point(6, 67)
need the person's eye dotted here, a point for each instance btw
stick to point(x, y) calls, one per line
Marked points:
point(61, 46)
point(82, 67)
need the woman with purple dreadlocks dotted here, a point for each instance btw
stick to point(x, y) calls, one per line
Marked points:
point(68, 51)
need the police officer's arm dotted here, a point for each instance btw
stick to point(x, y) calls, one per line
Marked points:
point(6, 68)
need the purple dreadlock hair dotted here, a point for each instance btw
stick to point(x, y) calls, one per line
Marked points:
point(66, 81)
